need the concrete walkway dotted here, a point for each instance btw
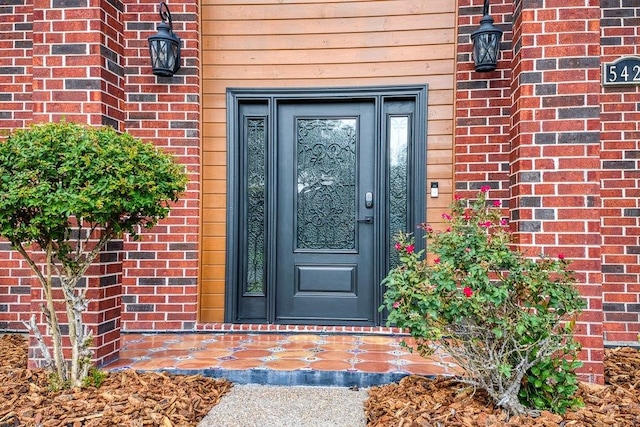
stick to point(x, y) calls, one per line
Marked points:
point(299, 406)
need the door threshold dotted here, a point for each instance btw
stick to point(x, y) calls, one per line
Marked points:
point(280, 328)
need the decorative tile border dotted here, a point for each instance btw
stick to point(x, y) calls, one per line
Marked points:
point(250, 327)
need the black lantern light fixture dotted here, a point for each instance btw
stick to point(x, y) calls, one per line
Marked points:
point(164, 46)
point(486, 43)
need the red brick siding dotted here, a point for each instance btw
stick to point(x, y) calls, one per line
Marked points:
point(543, 120)
point(15, 63)
point(483, 102)
point(161, 269)
point(16, 112)
point(86, 54)
point(620, 139)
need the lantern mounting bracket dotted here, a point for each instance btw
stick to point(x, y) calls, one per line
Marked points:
point(486, 43)
point(164, 46)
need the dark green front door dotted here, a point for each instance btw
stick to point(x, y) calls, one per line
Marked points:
point(319, 181)
point(325, 216)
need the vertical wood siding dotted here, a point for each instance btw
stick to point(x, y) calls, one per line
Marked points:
point(307, 43)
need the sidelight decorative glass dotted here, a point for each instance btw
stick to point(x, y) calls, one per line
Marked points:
point(326, 174)
point(398, 183)
point(256, 138)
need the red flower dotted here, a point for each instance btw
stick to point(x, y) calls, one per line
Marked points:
point(398, 246)
point(446, 216)
point(496, 203)
point(436, 261)
point(485, 224)
point(503, 222)
point(485, 188)
point(458, 197)
point(396, 304)
point(467, 291)
point(561, 256)
point(410, 248)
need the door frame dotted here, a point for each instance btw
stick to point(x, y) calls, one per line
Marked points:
point(236, 97)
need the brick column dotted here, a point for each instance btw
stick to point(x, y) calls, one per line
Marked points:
point(555, 148)
point(78, 76)
point(16, 112)
point(161, 270)
point(620, 26)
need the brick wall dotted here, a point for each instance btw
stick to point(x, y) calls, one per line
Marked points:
point(161, 269)
point(15, 63)
point(620, 137)
point(532, 134)
point(86, 54)
point(483, 103)
point(15, 98)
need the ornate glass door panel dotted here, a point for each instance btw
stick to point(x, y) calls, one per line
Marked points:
point(326, 158)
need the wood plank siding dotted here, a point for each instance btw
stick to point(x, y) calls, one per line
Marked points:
point(314, 43)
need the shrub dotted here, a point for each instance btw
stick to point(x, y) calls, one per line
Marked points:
point(66, 190)
point(501, 316)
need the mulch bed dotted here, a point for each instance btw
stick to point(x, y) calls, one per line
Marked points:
point(126, 398)
point(417, 401)
point(129, 398)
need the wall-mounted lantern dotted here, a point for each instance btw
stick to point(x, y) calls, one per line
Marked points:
point(486, 43)
point(164, 46)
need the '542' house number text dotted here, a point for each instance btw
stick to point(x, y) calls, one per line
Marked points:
point(624, 71)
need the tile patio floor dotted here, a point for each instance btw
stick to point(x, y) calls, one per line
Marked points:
point(280, 358)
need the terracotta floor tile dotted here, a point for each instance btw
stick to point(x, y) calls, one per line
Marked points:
point(338, 346)
point(260, 344)
point(155, 363)
point(211, 353)
point(375, 347)
point(416, 358)
point(294, 354)
point(297, 345)
point(304, 337)
point(120, 363)
point(168, 353)
point(291, 351)
point(373, 339)
point(130, 354)
point(376, 356)
point(268, 337)
point(381, 367)
point(345, 339)
point(200, 363)
point(241, 364)
point(231, 338)
point(251, 354)
point(145, 345)
point(334, 355)
point(424, 369)
point(330, 365)
point(286, 364)
point(184, 345)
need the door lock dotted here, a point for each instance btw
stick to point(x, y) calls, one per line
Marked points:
point(366, 220)
point(368, 200)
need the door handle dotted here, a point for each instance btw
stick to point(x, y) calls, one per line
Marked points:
point(366, 220)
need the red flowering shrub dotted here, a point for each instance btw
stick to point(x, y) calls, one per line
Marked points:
point(504, 318)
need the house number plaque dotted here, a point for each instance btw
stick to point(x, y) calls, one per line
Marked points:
point(624, 71)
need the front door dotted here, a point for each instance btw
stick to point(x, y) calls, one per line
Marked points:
point(325, 217)
point(319, 181)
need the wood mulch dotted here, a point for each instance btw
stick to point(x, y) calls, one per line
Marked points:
point(136, 399)
point(126, 398)
point(417, 401)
